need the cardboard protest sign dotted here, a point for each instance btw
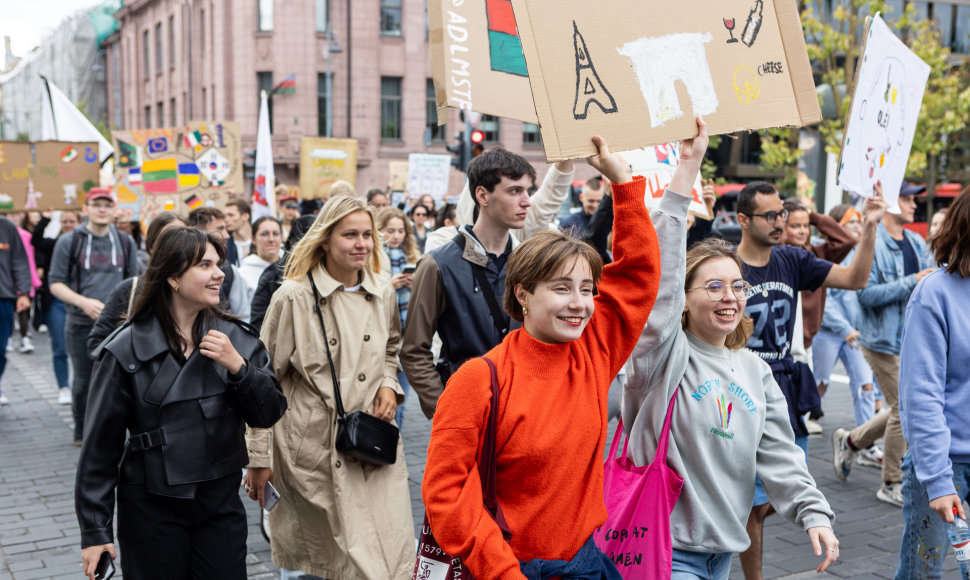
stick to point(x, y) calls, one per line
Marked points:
point(47, 174)
point(177, 168)
point(476, 59)
point(428, 174)
point(399, 175)
point(657, 164)
point(323, 161)
point(638, 75)
point(889, 84)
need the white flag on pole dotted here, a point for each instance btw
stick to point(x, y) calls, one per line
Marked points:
point(264, 198)
point(62, 121)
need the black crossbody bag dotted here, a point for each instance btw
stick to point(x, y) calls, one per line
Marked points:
point(359, 434)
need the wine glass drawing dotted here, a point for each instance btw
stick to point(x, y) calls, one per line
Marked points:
point(729, 24)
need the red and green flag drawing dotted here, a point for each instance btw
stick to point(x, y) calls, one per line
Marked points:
point(505, 46)
point(160, 176)
point(193, 140)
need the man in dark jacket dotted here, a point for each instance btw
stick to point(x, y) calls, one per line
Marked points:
point(458, 288)
point(14, 286)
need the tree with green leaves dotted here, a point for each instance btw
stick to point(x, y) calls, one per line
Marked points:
point(833, 33)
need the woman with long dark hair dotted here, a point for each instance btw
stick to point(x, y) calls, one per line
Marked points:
point(166, 411)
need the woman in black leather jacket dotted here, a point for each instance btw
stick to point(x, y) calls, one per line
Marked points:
point(166, 415)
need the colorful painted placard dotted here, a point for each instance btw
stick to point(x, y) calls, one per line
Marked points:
point(46, 174)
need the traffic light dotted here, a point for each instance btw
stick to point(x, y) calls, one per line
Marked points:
point(477, 139)
point(461, 151)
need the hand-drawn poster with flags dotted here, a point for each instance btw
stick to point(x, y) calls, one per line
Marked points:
point(177, 168)
point(47, 174)
point(264, 197)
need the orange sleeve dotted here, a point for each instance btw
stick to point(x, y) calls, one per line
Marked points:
point(628, 288)
point(452, 486)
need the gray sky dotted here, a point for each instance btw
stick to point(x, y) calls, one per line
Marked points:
point(26, 22)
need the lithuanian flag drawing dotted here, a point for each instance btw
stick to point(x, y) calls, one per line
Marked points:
point(160, 176)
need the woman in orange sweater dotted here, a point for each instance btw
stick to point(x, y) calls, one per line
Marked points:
point(554, 375)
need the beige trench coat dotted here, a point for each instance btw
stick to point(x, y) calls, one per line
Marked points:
point(336, 518)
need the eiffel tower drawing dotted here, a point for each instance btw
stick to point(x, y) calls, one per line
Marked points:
point(589, 88)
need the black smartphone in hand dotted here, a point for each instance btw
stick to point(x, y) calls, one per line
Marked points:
point(106, 567)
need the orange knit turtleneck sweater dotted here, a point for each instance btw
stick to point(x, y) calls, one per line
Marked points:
point(551, 420)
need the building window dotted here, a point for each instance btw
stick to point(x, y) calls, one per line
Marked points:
point(159, 55)
point(489, 126)
point(530, 135)
point(171, 41)
point(171, 112)
point(943, 19)
point(185, 106)
point(161, 114)
point(148, 116)
point(202, 30)
point(961, 40)
point(264, 82)
point(146, 56)
point(323, 15)
point(205, 103)
point(323, 96)
point(391, 108)
point(265, 18)
point(391, 17)
point(438, 132)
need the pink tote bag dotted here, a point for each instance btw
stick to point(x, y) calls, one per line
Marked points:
point(639, 500)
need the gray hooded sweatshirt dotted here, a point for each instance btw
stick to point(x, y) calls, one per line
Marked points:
point(730, 421)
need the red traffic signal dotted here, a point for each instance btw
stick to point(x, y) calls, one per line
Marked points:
point(477, 137)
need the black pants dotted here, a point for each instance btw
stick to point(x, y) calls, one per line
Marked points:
point(164, 538)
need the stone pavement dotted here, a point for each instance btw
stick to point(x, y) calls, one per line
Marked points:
point(39, 533)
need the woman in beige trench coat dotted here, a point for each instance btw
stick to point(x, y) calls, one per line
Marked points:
point(336, 518)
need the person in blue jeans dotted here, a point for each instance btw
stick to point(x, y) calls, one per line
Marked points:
point(933, 401)
point(15, 285)
point(54, 311)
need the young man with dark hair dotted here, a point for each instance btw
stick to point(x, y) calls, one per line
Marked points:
point(575, 224)
point(777, 273)
point(87, 264)
point(900, 263)
point(233, 293)
point(458, 288)
point(238, 215)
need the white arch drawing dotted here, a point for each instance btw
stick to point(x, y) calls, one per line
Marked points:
point(661, 60)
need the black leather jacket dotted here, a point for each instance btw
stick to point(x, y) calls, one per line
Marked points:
point(185, 421)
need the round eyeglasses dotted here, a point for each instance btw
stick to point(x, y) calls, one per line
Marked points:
point(717, 289)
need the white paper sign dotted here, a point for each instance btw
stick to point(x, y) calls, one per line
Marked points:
point(657, 164)
point(882, 119)
point(428, 174)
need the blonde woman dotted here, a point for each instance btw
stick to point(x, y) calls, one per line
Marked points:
point(337, 518)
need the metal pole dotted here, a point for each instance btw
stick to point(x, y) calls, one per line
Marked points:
point(327, 82)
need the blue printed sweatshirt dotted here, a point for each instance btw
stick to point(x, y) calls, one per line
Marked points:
point(934, 379)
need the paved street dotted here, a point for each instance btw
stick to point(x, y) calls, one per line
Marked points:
point(39, 534)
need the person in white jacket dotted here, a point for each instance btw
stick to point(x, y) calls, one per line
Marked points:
point(730, 420)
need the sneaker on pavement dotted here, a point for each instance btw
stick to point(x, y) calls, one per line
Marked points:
point(871, 457)
point(813, 427)
point(842, 454)
point(26, 345)
point(42, 329)
point(64, 397)
point(4, 400)
point(891, 494)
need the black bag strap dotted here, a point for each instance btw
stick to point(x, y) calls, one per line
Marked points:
point(326, 343)
point(487, 461)
point(499, 319)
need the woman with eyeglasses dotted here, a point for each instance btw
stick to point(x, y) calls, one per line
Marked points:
point(730, 420)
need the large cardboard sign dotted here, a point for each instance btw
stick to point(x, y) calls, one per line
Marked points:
point(47, 174)
point(428, 174)
point(889, 84)
point(476, 59)
point(399, 175)
point(177, 168)
point(657, 164)
point(638, 75)
point(323, 161)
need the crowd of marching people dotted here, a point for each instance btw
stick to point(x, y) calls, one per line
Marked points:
point(278, 354)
